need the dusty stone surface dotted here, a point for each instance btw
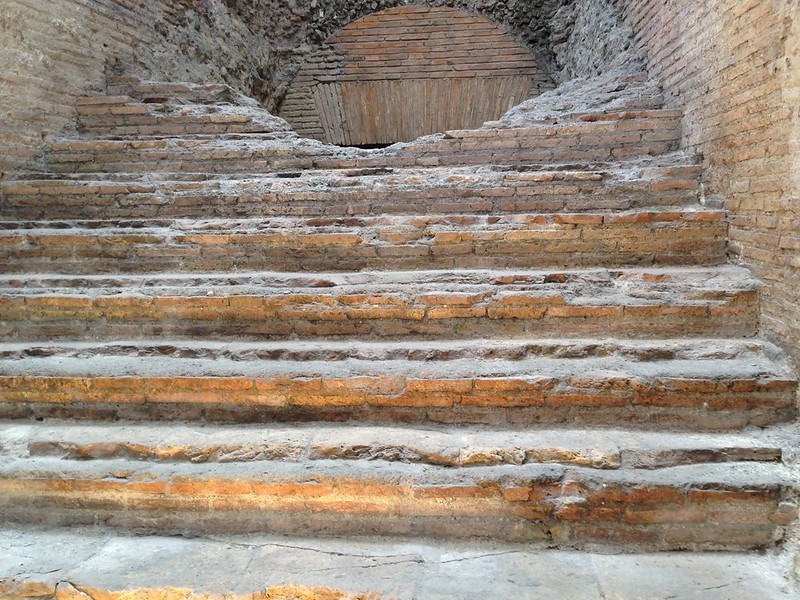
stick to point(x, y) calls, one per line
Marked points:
point(434, 445)
point(615, 91)
point(592, 38)
point(387, 568)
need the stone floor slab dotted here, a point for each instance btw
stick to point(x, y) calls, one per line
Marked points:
point(424, 570)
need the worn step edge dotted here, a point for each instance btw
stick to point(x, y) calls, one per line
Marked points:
point(721, 506)
point(526, 360)
point(710, 302)
point(681, 164)
point(444, 446)
point(724, 475)
point(449, 222)
point(664, 184)
point(529, 188)
point(722, 277)
point(432, 350)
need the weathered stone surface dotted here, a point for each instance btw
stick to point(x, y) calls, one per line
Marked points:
point(395, 568)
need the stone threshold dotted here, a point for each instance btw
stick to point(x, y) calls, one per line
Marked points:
point(83, 563)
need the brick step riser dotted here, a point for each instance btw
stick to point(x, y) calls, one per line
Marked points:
point(731, 314)
point(699, 405)
point(557, 513)
point(30, 201)
point(121, 116)
point(373, 247)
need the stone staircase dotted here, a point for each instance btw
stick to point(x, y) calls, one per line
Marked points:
point(527, 334)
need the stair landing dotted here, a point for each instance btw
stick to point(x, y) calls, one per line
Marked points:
point(85, 563)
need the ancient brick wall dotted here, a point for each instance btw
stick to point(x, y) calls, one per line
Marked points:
point(734, 67)
point(55, 51)
point(49, 57)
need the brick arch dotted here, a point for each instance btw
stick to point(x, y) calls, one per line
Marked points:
point(408, 71)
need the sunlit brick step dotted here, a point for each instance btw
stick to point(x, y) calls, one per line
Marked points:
point(632, 303)
point(734, 506)
point(700, 384)
point(594, 137)
point(691, 237)
point(122, 116)
point(665, 182)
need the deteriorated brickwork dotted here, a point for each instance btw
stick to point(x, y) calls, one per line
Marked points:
point(48, 61)
point(52, 56)
point(735, 68)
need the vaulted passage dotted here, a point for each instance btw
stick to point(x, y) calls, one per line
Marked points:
point(409, 71)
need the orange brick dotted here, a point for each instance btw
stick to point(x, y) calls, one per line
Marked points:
point(458, 386)
point(471, 312)
point(586, 312)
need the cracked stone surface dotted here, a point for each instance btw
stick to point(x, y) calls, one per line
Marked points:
point(403, 570)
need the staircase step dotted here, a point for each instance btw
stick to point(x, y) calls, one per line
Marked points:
point(633, 303)
point(607, 449)
point(731, 506)
point(592, 137)
point(120, 116)
point(700, 384)
point(666, 182)
point(105, 564)
point(691, 237)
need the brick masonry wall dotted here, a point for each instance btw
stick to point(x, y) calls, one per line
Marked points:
point(51, 56)
point(54, 51)
point(735, 69)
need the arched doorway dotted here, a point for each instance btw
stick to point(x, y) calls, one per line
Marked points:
point(409, 71)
